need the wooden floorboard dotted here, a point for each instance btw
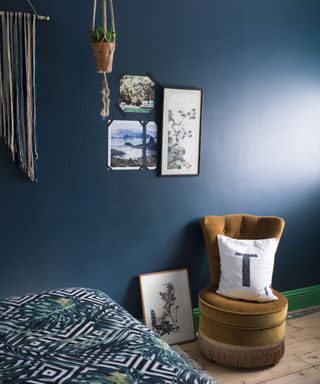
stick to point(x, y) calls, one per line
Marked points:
point(308, 376)
point(300, 364)
point(312, 358)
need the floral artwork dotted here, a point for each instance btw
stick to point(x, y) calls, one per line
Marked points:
point(167, 305)
point(167, 322)
point(178, 134)
point(181, 132)
point(137, 94)
point(82, 336)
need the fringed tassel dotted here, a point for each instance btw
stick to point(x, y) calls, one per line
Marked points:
point(241, 357)
point(205, 375)
point(105, 93)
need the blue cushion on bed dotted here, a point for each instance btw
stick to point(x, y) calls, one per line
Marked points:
point(80, 336)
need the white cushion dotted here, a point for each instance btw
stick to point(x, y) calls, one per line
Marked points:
point(246, 268)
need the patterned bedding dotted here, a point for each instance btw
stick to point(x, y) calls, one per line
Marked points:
point(81, 336)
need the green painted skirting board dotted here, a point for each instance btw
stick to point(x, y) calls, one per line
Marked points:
point(303, 297)
point(298, 299)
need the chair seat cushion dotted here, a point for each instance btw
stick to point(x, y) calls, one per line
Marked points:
point(242, 314)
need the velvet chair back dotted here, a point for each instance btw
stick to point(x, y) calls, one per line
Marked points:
point(237, 227)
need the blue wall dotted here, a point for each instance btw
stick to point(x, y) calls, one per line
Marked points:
point(259, 65)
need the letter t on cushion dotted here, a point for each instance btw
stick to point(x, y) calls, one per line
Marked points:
point(246, 268)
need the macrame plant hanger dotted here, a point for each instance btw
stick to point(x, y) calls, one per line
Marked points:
point(103, 52)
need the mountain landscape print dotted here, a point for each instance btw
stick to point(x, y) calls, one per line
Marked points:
point(151, 144)
point(125, 144)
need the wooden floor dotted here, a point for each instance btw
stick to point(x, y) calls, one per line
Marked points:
point(300, 363)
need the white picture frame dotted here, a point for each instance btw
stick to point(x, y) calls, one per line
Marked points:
point(181, 132)
point(166, 304)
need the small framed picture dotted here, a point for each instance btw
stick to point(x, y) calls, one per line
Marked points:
point(151, 144)
point(125, 145)
point(166, 304)
point(137, 94)
point(132, 145)
point(181, 132)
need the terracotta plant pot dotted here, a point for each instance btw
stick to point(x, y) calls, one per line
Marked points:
point(103, 55)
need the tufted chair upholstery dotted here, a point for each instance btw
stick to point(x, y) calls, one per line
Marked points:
point(236, 332)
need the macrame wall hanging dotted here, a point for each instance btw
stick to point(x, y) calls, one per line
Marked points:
point(103, 46)
point(17, 87)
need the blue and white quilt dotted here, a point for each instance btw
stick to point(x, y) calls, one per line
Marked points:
point(81, 336)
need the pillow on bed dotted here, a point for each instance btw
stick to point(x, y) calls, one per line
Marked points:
point(246, 268)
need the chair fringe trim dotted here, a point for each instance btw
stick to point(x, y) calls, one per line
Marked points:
point(241, 357)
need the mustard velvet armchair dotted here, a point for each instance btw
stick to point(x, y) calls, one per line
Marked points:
point(240, 333)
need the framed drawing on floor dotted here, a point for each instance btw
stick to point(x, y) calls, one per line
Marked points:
point(166, 304)
point(181, 132)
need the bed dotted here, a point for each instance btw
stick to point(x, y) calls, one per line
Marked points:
point(81, 336)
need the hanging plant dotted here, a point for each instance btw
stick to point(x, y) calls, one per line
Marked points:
point(103, 41)
point(103, 47)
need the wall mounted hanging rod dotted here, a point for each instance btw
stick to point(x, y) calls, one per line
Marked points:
point(43, 18)
point(39, 17)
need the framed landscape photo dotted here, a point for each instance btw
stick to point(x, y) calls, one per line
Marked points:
point(125, 145)
point(181, 132)
point(166, 304)
point(151, 144)
point(137, 94)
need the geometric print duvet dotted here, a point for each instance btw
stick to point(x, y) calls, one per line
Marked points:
point(81, 336)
